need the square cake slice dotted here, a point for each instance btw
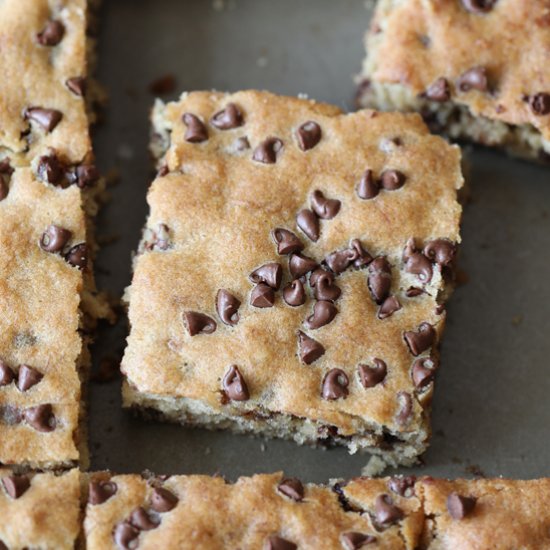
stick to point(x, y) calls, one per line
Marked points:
point(293, 272)
point(475, 69)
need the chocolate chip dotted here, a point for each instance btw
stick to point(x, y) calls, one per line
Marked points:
point(228, 118)
point(479, 6)
point(227, 307)
point(460, 506)
point(423, 371)
point(419, 265)
point(47, 118)
point(405, 408)
point(267, 151)
point(310, 349)
point(402, 485)
point(6, 374)
point(323, 286)
point(16, 485)
point(196, 131)
point(141, 520)
point(49, 169)
point(163, 500)
point(335, 385)
point(540, 103)
point(299, 265)
point(78, 256)
point(77, 85)
point(353, 540)
point(439, 90)
point(325, 208)
point(262, 296)
point(3, 546)
point(84, 175)
point(379, 279)
point(51, 34)
point(413, 292)
point(274, 542)
point(54, 238)
point(473, 79)
point(28, 377)
point(440, 251)
point(242, 144)
point(234, 385)
point(41, 418)
point(340, 260)
point(389, 306)
point(308, 222)
point(101, 491)
point(308, 135)
point(271, 274)
point(368, 187)
point(362, 257)
point(292, 488)
point(294, 293)
point(391, 180)
point(386, 513)
point(287, 241)
point(371, 376)
point(421, 339)
point(126, 535)
point(199, 323)
point(323, 313)
point(318, 275)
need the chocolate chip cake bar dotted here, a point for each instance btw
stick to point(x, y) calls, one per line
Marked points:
point(293, 272)
point(475, 69)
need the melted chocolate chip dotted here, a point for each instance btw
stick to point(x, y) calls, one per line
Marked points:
point(292, 488)
point(460, 506)
point(388, 307)
point(440, 251)
point(101, 491)
point(371, 376)
point(402, 485)
point(77, 85)
point(274, 542)
point(473, 79)
point(287, 241)
point(419, 265)
point(325, 208)
point(49, 169)
point(413, 292)
point(54, 238)
point(335, 385)
point(294, 293)
point(299, 265)
point(228, 118)
point(16, 485)
point(423, 371)
point(78, 256)
point(323, 313)
point(41, 418)
point(540, 103)
point(368, 187)
point(392, 180)
point(386, 513)
point(310, 349)
point(199, 323)
point(234, 385)
point(353, 540)
point(479, 6)
point(47, 118)
point(267, 151)
point(262, 296)
point(308, 135)
point(51, 34)
point(28, 377)
point(196, 131)
point(271, 274)
point(84, 175)
point(7, 376)
point(379, 279)
point(126, 536)
point(163, 500)
point(439, 90)
point(143, 521)
point(421, 339)
point(405, 408)
point(308, 222)
point(227, 307)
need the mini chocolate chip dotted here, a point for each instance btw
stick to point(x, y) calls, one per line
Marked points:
point(77, 85)
point(335, 385)
point(391, 180)
point(234, 385)
point(323, 313)
point(227, 307)
point(228, 118)
point(16, 485)
point(84, 175)
point(271, 274)
point(28, 377)
point(340, 260)
point(7, 376)
point(460, 506)
point(196, 131)
point(423, 371)
point(199, 323)
point(78, 256)
point(540, 103)
point(294, 293)
point(262, 296)
point(308, 135)
point(292, 488)
point(141, 520)
point(473, 79)
point(353, 540)
point(368, 187)
point(51, 34)
point(362, 257)
point(101, 491)
point(126, 536)
point(371, 376)
point(320, 274)
point(287, 241)
point(439, 90)
point(41, 418)
point(402, 485)
point(421, 339)
point(386, 513)
point(163, 500)
point(479, 6)
point(325, 208)
point(49, 169)
point(324, 288)
point(47, 118)
point(440, 251)
point(267, 151)
point(308, 222)
point(379, 279)
point(405, 408)
point(413, 292)
point(310, 349)
point(419, 265)
point(274, 542)
point(54, 238)
point(299, 265)
point(389, 306)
